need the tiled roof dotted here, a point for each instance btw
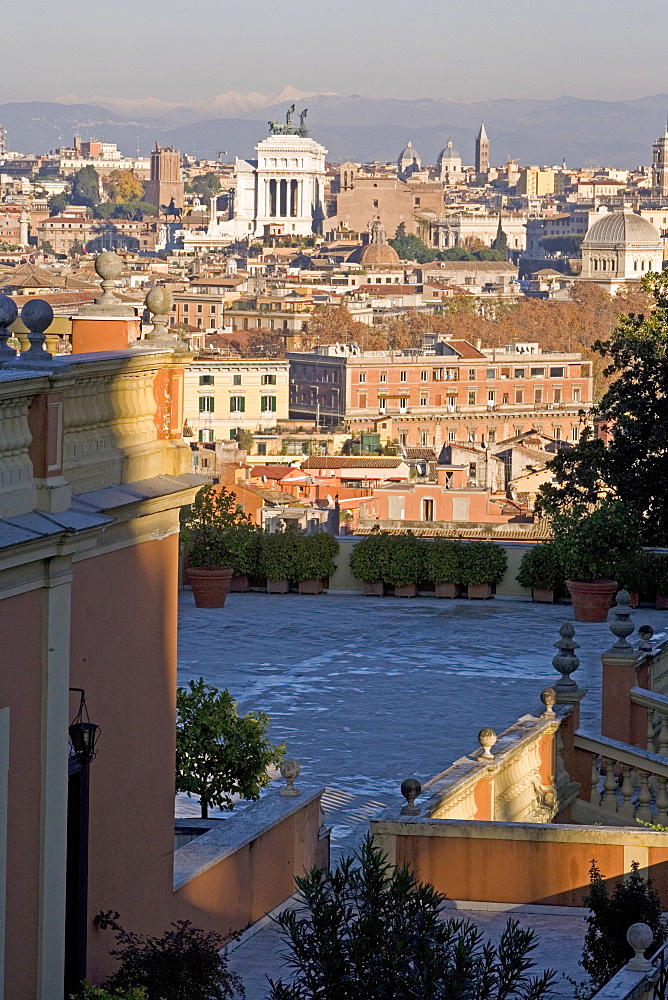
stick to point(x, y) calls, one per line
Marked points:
point(465, 350)
point(272, 471)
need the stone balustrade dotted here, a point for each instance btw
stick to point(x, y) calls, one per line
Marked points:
point(626, 785)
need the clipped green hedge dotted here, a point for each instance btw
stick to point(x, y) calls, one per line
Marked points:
point(443, 561)
point(541, 568)
point(315, 556)
point(405, 561)
point(483, 562)
point(369, 558)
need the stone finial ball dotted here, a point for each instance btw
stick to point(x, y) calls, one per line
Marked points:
point(640, 937)
point(37, 315)
point(159, 301)
point(109, 265)
point(487, 738)
point(290, 769)
point(8, 310)
point(410, 788)
point(548, 696)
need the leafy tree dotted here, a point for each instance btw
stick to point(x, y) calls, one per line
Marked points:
point(185, 963)
point(206, 185)
point(500, 241)
point(135, 210)
point(123, 185)
point(47, 247)
point(57, 203)
point(634, 467)
point(86, 187)
point(566, 246)
point(411, 247)
point(90, 992)
point(219, 752)
point(373, 932)
point(634, 900)
point(491, 253)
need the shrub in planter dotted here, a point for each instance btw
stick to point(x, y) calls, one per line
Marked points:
point(443, 566)
point(483, 566)
point(279, 560)
point(635, 575)
point(206, 523)
point(369, 561)
point(659, 565)
point(243, 544)
point(405, 563)
point(592, 544)
point(541, 572)
point(315, 561)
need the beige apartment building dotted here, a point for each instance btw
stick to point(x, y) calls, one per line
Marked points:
point(223, 397)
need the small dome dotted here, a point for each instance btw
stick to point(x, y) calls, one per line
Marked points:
point(449, 153)
point(379, 253)
point(621, 227)
point(409, 153)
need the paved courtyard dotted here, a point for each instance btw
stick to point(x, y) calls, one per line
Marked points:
point(368, 691)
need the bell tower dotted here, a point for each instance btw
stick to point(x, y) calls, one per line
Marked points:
point(482, 151)
point(660, 166)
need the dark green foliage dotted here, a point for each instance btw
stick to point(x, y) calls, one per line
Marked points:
point(405, 560)
point(592, 545)
point(541, 568)
point(315, 555)
point(184, 964)
point(635, 573)
point(411, 247)
point(483, 562)
point(91, 992)
point(634, 900)
point(243, 546)
point(443, 562)
point(218, 752)
point(86, 187)
point(369, 558)
point(205, 526)
point(567, 246)
point(659, 573)
point(371, 931)
point(47, 247)
point(500, 241)
point(634, 468)
point(57, 203)
point(134, 210)
point(206, 185)
point(279, 556)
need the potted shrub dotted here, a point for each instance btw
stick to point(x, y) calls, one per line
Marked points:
point(592, 544)
point(635, 575)
point(405, 564)
point(483, 566)
point(206, 524)
point(659, 565)
point(443, 567)
point(315, 561)
point(278, 561)
point(541, 572)
point(243, 543)
point(368, 562)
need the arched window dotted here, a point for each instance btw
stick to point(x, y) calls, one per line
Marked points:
point(635, 265)
point(594, 265)
point(603, 265)
point(642, 265)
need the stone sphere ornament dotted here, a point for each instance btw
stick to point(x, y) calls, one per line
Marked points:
point(486, 738)
point(410, 789)
point(290, 770)
point(37, 315)
point(639, 937)
point(159, 300)
point(548, 696)
point(109, 265)
point(8, 313)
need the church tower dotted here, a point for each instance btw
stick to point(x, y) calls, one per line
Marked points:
point(165, 183)
point(660, 166)
point(482, 152)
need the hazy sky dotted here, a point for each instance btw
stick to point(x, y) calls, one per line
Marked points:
point(181, 50)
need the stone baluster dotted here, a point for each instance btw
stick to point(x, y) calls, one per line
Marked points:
point(622, 625)
point(650, 730)
point(626, 807)
point(565, 661)
point(643, 810)
point(661, 801)
point(609, 800)
point(595, 795)
point(8, 313)
point(663, 735)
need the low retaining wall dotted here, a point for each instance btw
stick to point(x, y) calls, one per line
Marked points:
point(231, 876)
point(518, 862)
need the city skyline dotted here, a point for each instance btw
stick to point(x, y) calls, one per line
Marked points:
point(162, 49)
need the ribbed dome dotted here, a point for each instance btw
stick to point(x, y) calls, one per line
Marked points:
point(379, 253)
point(449, 153)
point(622, 227)
point(409, 153)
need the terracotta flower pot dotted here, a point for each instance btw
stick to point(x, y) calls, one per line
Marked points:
point(479, 591)
point(374, 589)
point(410, 590)
point(662, 602)
point(542, 596)
point(239, 585)
point(591, 599)
point(310, 587)
point(210, 586)
point(446, 590)
point(278, 586)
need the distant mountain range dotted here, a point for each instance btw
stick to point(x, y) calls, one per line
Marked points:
point(583, 132)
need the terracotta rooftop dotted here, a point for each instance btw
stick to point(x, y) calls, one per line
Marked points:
point(371, 462)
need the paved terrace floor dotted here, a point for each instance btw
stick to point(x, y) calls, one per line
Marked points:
point(368, 691)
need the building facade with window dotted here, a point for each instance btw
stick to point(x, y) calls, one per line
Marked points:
point(454, 393)
point(224, 397)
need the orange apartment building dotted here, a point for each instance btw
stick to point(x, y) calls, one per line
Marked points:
point(454, 393)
